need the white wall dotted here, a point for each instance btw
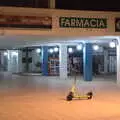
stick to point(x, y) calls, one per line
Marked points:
point(56, 30)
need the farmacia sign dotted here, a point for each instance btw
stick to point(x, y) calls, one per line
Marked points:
point(75, 22)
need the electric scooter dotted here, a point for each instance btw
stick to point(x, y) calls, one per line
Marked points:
point(73, 94)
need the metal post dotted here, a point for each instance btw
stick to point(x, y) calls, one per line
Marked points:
point(51, 4)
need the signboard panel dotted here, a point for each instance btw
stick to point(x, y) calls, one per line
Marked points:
point(117, 24)
point(25, 21)
point(76, 22)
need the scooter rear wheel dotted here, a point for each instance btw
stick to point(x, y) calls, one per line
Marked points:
point(69, 96)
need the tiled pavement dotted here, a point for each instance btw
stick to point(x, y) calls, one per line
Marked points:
point(43, 98)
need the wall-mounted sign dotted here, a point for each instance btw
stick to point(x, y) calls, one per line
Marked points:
point(117, 24)
point(75, 22)
point(25, 21)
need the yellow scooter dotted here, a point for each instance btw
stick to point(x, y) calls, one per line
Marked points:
point(73, 94)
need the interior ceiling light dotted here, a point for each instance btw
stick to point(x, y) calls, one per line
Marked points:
point(5, 53)
point(95, 47)
point(56, 49)
point(70, 50)
point(38, 50)
point(51, 50)
point(112, 44)
point(79, 47)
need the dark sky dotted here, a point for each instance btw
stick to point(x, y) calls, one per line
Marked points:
point(109, 5)
point(27, 3)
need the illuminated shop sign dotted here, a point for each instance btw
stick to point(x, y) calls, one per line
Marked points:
point(25, 21)
point(75, 22)
point(117, 24)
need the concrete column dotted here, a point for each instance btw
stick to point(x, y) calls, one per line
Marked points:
point(105, 61)
point(27, 60)
point(4, 61)
point(63, 61)
point(45, 61)
point(20, 65)
point(33, 60)
point(9, 61)
point(87, 61)
point(118, 61)
point(2, 58)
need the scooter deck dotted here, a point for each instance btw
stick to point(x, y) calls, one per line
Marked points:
point(81, 96)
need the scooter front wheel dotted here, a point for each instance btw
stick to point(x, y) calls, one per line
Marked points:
point(90, 95)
